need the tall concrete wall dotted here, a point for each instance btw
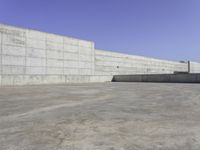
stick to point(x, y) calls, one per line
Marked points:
point(111, 63)
point(194, 67)
point(34, 57)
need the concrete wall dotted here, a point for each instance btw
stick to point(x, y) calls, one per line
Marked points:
point(111, 63)
point(34, 57)
point(194, 67)
point(173, 78)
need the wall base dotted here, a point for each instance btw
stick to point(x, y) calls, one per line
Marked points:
point(12, 80)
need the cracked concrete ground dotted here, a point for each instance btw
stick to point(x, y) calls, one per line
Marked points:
point(105, 116)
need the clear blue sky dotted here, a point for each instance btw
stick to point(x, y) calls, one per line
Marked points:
point(168, 29)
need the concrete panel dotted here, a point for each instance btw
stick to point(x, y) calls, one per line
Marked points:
point(13, 70)
point(55, 63)
point(13, 40)
point(31, 79)
point(99, 72)
point(54, 54)
point(87, 78)
point(36, 43)
point(0, 65)
point(194, 67)
point(34, 52)
point(85, 58)
point(101, 78)
point(13, 50)
point(13, 60)
point(71, 71)
point(85, 71)
point(6, 80)
point(54, 71)
point(71, 48)
point(54, 38)
point(185, 78)
point(34, 79)
point(19, 80)
point(83, 64)
point(11, 30)
point(71, 56)
point(86, 44)
point(174, 78)
point(106, 68)
point(106, 61)
point(54, 46)
point(31, 34)
point(71, 64)
point(35, 62)
point(85, 51)
point(70, 41)
point(35, 70)
point(12, 36)
point(0, 38)
point(77, 79)
point(27, 80)
point(54, 79)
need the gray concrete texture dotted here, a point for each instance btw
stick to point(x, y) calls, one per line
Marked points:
point(104, 116)
point(169, 78)
point(34, 57)
point(110, 63)
point(194, 67)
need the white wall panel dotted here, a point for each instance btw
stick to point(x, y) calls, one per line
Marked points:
point(30, 57)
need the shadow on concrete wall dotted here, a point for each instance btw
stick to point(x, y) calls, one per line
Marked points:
point(167, 78)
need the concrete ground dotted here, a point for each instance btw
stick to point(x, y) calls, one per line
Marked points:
point(106, 116)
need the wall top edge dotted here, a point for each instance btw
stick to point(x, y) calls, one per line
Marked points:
point(137, 56)
point(195, 62)
point(30, 29)
point(108, 51)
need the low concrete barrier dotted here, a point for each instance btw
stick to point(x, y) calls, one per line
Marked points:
point(173, 78)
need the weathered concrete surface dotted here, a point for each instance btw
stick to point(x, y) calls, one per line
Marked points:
point(194, 67)
point(33, 57)
point(170, 78)
point(13, 80)
point(109, 116)
point(112, 63)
